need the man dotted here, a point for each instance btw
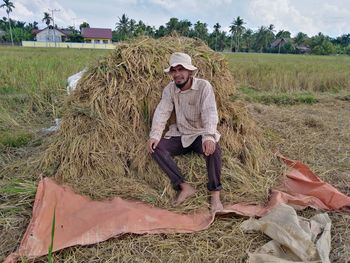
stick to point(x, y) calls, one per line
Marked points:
point(195, 129)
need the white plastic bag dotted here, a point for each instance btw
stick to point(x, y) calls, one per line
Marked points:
point(74, 79)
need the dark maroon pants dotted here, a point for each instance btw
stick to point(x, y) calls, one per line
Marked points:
point(167, 148)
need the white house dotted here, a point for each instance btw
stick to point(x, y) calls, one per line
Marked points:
point(50, 34)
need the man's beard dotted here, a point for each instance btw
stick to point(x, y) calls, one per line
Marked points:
point(180, 86)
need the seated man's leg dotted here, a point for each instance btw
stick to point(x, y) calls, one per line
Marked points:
point(163, 153)
point(213, 163)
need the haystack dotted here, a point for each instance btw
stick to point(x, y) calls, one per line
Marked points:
point(100, 149)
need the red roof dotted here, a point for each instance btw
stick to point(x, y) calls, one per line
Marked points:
point(87, 32)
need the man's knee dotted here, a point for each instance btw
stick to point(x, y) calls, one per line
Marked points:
point(161, 148)
point(217, 149)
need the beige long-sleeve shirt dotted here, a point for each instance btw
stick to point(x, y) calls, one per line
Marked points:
point(195, 109)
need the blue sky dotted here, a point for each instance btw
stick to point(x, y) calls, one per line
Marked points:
point(309, 16)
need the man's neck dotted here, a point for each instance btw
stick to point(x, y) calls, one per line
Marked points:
point(188, 85)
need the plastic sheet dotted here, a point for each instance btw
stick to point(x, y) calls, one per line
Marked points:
point(82, 221)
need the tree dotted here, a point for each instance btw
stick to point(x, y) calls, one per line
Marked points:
point(20, 34)
point(263, 38)
point(140, 28)
point(84, 25)
point(33, 25)
point(347, 50)
point(184, 27)
point(132, 27)
point(247, 39)
point(47, 19)
point(260, 39)
point(160, 32)
point(236, 30)
point(8, 5)
point(122, 27)
point(300, 38)
point(216, 32)
point(74, 35)
point(321, 45)
point(172, 25)
point(283, 34)
point(200, 30)
point(343, 40)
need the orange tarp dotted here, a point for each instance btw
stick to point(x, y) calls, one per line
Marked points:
point(82, 221)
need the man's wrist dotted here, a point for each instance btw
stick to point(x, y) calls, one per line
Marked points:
point(208, 138)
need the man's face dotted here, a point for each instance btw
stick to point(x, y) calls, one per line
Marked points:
point(179, 74)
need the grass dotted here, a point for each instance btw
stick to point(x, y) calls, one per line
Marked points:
point(15, 139)
point(33, 81)
point(291, 73)
point(49, 254)
point(279, 98)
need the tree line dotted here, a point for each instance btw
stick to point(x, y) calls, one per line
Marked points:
point(239, 38)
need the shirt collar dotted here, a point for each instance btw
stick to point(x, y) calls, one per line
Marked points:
point(194, 86)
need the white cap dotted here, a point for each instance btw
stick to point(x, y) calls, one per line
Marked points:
point(182, 59)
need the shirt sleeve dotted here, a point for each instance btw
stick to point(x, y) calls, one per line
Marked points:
point(209, 114)
point(162, 114)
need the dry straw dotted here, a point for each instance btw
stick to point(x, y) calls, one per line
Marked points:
point(100, 148)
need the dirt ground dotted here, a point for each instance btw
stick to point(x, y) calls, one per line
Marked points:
point(319, 136)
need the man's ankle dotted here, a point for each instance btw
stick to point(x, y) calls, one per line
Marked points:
point(215, 194)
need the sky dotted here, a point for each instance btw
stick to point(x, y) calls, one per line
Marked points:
point(309, 16)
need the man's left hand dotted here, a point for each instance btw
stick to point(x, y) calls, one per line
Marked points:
point(208, 147)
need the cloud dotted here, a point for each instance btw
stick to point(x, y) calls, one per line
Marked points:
point(21, 12)
point(309, 17)
point(283, 15)
point(333, 18)
point(33, 10)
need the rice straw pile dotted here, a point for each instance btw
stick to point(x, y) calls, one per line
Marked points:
point(100, 149)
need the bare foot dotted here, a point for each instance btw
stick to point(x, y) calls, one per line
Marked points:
point(215, 203)
point(185, 192)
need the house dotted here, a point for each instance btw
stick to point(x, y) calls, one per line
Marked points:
point(303, 49)
point(280, 42)
point(283, 44)
point(97, 35)
point(50, 34)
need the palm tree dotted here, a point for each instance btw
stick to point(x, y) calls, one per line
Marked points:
point(172, 25)
point(262, 38)
point(283, 34)
point(201, 30)
point(123, 26)
point(184, 27)
point(47, 19)
point(8, 5)
point(217, 31)
point(237, 30)
point(247, 38)
point(300, 38)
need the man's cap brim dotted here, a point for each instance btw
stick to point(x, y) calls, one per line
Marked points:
point(186, 66)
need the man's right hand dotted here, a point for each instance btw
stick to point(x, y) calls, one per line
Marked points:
point(151, 145)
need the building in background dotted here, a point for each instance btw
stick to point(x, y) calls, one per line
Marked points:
point(50, 34)
point(97, 35)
